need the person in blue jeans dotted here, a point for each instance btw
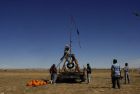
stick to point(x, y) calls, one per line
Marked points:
point(53, 72)
point(115, 74)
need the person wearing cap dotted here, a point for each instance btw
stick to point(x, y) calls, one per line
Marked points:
point(115, 74)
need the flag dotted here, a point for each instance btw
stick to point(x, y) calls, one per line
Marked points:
point(77, 32)
point(78, 37)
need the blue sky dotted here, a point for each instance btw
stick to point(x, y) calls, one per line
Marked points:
point(33, 33)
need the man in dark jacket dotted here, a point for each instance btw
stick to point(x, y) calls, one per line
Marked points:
point(53, 72)
point(88, 73)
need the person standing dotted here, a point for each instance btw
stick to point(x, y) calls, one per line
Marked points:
point(53, 72)
point(126, 73)
point(115, 74)
point(84, 73)
point(66, 52)
point(88, 73)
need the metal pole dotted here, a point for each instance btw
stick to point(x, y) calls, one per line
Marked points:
point(70, 43)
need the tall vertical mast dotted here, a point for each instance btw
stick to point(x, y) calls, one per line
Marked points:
point(70, 42)
point(71, 29)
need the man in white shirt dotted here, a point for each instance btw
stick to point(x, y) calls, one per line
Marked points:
point(115, 74)
point(126, 73)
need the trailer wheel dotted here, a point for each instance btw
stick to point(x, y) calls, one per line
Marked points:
point(70, 65)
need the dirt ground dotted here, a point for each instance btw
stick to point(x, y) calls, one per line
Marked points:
point(14, 82)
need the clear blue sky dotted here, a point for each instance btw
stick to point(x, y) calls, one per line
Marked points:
point(33, 33)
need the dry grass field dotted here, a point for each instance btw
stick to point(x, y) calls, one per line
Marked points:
point(14, 82)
